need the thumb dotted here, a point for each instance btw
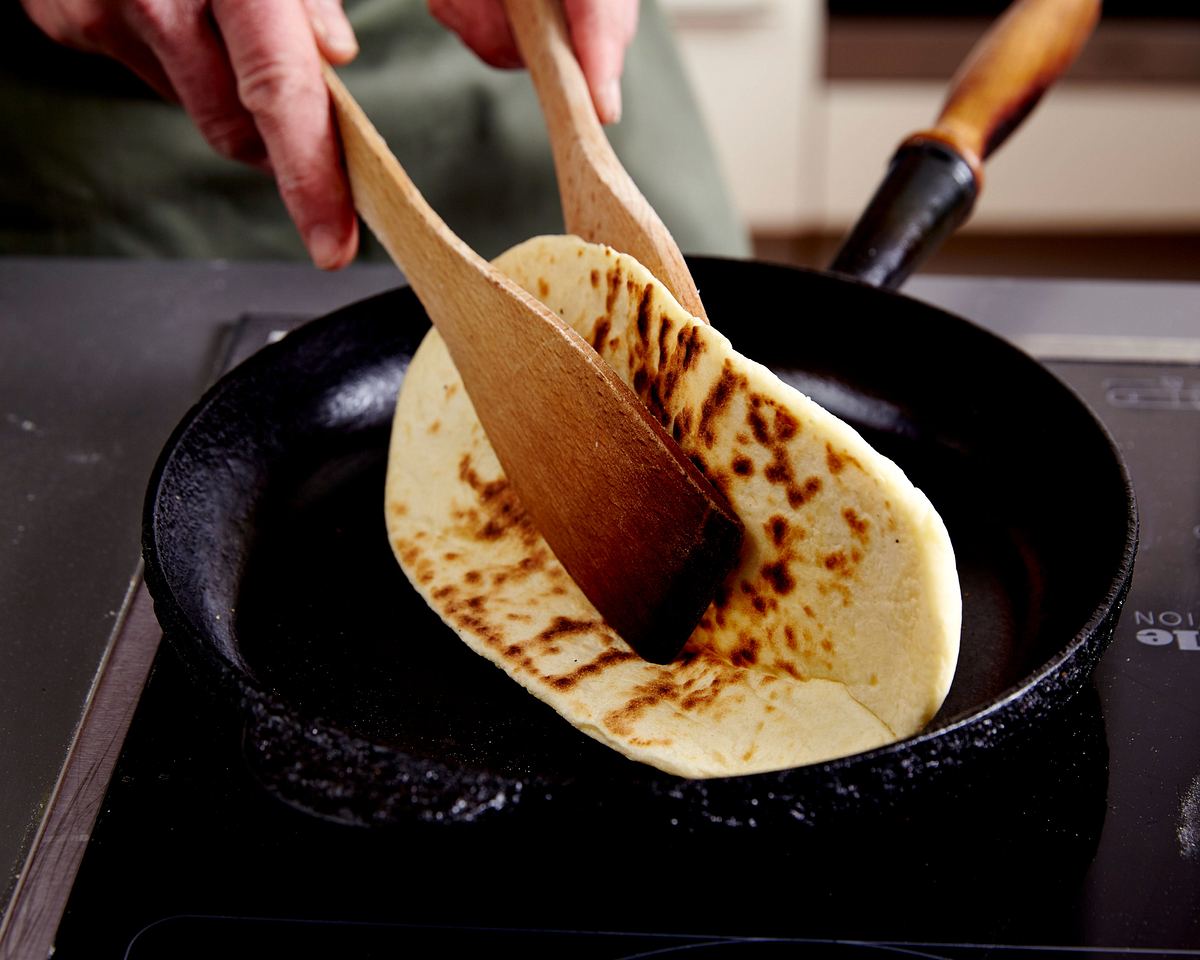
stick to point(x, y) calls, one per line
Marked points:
point(601, 30)
point(335, 36)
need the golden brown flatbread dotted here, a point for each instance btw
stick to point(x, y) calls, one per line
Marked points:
point(838, 630)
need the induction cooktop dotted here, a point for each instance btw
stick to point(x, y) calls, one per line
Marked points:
point(1085, 843)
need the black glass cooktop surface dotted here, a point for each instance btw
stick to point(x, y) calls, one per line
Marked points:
point(1084, 843)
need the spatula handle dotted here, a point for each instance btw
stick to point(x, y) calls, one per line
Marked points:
point(937, 174)
point(540, 29)
point(600, 201)
point(416, 238)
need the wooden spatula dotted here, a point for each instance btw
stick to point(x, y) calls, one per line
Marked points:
point(632, 520)
point(600, 201)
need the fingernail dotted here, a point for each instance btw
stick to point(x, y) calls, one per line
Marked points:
point(325, 247)
point(608, 101)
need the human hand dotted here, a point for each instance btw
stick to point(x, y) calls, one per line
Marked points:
point(248, 74)
point(600, 30)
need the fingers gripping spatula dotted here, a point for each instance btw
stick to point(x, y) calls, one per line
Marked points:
point(632, 520)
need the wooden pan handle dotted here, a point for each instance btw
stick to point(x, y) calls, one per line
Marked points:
point(1005, 75)
point(936, 174)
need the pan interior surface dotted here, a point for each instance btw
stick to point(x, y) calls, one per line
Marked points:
point(293, 544)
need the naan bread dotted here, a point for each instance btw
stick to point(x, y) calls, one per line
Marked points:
point(838, 630)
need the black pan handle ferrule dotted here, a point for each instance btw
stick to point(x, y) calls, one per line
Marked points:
point(928, 192)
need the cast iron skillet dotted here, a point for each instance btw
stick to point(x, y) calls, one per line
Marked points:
point(270, 568)
point(268, 561)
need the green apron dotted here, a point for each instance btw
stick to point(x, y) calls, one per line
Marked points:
point(95, 164)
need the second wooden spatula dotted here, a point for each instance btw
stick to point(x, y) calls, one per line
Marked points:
point(600, 201)
point(632, 520)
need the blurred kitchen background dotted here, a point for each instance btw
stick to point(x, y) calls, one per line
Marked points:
point(807, 99)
